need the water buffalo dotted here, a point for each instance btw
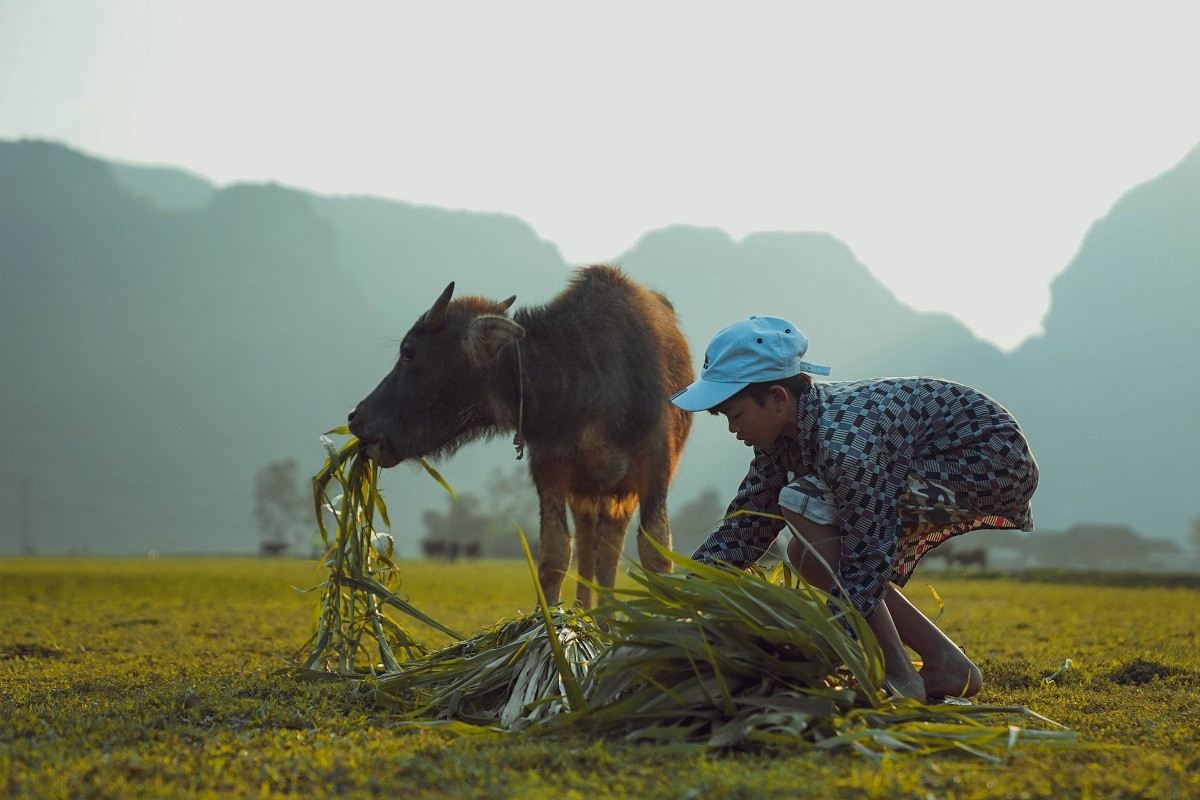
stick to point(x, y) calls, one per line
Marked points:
point(585, 381)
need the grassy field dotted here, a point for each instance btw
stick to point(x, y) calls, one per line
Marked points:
point(156, 678)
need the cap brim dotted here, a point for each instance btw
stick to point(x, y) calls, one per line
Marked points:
point(703, 395)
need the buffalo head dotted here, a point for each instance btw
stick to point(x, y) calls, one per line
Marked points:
point(436, 398)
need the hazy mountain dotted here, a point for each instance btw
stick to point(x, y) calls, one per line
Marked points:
point(165, 188)
point(162, 338)
point(153, 360)
point(1108, 394)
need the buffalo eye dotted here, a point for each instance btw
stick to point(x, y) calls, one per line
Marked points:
point(406, 353)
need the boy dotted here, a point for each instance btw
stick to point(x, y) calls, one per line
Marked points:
point(871, 474)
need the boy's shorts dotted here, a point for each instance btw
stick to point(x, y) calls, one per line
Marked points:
point(811, 498)
point(924, 507)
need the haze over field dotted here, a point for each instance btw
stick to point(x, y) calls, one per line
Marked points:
point(998, 200)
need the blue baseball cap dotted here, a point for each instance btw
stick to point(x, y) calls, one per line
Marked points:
point(755, 350)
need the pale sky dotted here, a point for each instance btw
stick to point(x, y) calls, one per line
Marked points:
point(961, 149)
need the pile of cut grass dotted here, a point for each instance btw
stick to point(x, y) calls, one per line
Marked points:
point(707, 658)
point(704, 658)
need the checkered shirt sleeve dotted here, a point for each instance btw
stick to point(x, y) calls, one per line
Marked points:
point(742, 538)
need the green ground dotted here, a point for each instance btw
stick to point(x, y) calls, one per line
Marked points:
point(155, 678)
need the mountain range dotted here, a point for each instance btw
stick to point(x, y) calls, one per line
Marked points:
point(163, 338)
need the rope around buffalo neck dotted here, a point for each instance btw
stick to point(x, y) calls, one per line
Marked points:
point(519, 438)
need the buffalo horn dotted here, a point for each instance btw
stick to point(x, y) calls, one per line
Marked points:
point(435, 317)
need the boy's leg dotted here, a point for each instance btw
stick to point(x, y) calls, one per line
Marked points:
point(825, 539)
point(945, 669)
point(902, 676)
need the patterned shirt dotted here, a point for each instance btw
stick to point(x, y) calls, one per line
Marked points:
point(871, 442)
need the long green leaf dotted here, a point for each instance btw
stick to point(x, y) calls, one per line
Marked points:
point(437, 476)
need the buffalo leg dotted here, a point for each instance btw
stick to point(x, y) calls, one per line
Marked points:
point(611, 541)
point(653, 524)
point(554, 545)
point(585, 513)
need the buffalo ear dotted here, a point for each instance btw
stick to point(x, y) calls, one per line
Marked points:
point(433, 319)
point(487, 334)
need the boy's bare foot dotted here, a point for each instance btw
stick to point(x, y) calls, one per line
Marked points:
point(906, 685)
point(956, 677)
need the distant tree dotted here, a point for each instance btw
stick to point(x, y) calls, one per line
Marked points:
point(1194, 535)
point(512, 501)
point(449, 532)
point(489, 528)
point(281, 509)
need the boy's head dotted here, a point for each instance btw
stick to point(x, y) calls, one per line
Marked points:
point(759, 350)
point(796, 386)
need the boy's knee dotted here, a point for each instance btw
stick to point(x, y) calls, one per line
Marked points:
point(815, 550)
point(808, 535)
point(813, 532)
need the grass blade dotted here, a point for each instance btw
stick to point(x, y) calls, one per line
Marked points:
point(437, 476)
point(574, 693)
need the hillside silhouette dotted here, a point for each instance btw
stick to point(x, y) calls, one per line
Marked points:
point(162, 338)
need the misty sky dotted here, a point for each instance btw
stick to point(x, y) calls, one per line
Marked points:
point(961, 149)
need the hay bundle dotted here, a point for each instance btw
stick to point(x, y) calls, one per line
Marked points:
point(709, 658)
point(725, 658)
point(506, 677)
